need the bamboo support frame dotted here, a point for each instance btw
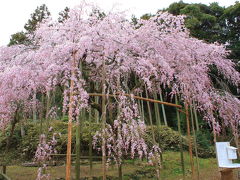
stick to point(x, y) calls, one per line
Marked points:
point(103, 95)
point(136, 97)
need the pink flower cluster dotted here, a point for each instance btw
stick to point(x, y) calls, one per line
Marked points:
point(126, 136)
point(43, 154)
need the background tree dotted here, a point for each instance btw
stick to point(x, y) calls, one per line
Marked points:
point(202, 20)
point(18, 38)
point(37, 16)
point(231, 31)
point(63, 15)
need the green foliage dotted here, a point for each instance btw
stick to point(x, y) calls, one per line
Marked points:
point(215, 9)
point(148, 172)
point(146, 16)
point(167, 138)
point(202, 20)
point(175, 8)
point(18, 38)
point(201, 23)
point(26, 145)
point(205, 149)
point(231, 22)
point(63, 15)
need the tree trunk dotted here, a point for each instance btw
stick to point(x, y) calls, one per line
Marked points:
point(4, 169)
point(14, 122)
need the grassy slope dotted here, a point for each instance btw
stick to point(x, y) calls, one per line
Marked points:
point(171, 170)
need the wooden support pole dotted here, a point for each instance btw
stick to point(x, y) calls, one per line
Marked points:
point(189, 140)
point(34, 105)
point(181, 139)
point(163, 110)
point(152, 129)
point(77, 166)
point(104, 111)
point(142, 108)
point(150, 118)
point(195, 142)
point(90, 157)
point(70, 116)
point(90, 147)
point(196, 117)
point(136, 97)
point(157, 113)
point(96, 100)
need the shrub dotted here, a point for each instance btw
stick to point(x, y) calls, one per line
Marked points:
point(26, 145)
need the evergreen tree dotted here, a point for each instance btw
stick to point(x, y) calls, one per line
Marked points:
point(37, 16)
point(231, 32)
point(63, 15)
point(18, 38)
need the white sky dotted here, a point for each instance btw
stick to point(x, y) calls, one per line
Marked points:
point(15, 13)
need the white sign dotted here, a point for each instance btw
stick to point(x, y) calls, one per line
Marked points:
point(225, 154)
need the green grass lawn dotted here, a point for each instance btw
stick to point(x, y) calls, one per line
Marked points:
point(131, 169)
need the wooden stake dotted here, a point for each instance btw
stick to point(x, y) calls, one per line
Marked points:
point(77, 166)
point(196, 117)
point(189, 140)
point(163, 110)
point(150, 118)
point(96, 100)
point(104, 159)
point(156, 109)
point(181, 140)
point(34, 105)
point(195, 142)
point(70, 116)
point(142, 109)
point(90, 157)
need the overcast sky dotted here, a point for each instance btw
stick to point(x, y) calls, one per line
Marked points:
point(15, 13)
